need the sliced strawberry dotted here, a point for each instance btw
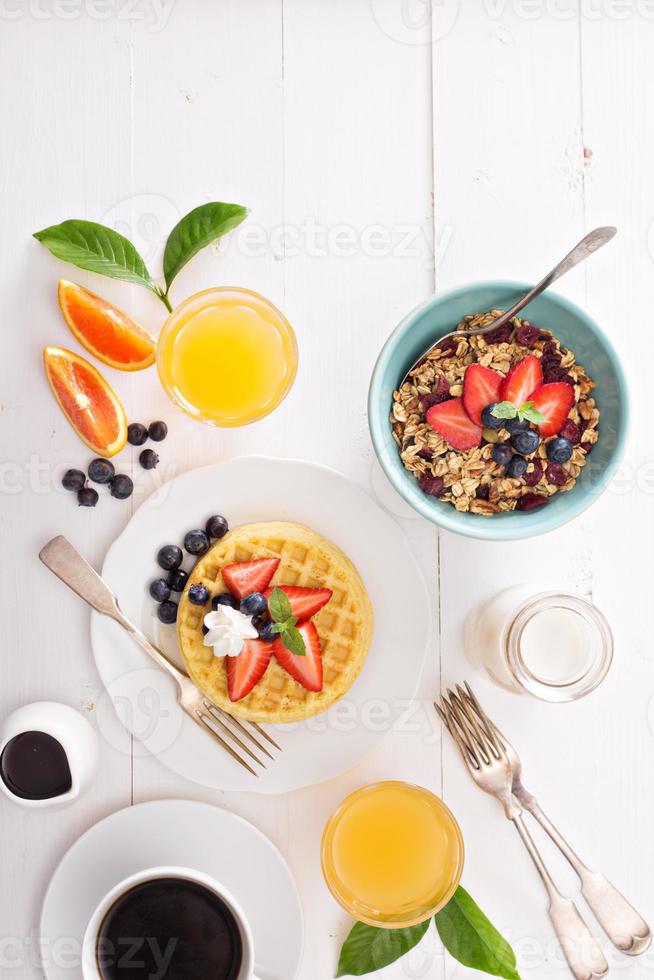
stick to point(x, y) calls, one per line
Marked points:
point(451, 421)
point(247, 669)
point(245, 577)
point(554, 401)
point(522, 380)
point(481, 387)
point(305, 603)
point(305, 669)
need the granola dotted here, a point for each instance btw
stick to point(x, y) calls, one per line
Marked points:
point(470, 479)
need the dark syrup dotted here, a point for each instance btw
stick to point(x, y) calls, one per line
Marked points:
point(171, 929)
point(34, 766)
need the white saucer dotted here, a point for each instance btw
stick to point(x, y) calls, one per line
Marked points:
point(247, 489)
point(185, 834)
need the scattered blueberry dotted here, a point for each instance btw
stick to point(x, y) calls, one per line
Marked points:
point(254, 604)
point(87, 497)
point(489, 420)
point(177, 579)
point(266, 632)
point(148, 459)
point(559, 450)
point(73, 480)
point(160, 590)
point(517, 467)
point(217, 526)
point(198, 594)
point(169, 557)
point(502, 453)
point(167, 612)
point(259, 622)
point(121, 486)
point(515, 425)
point(526, 442)
point(196, 542)
point(101, 470)
point(224, 599)
point(137, 434)
point(158, 431)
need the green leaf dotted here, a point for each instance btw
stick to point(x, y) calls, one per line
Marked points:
point(279, 606)
point(98, 249)
point(531, 414)
point(367, 949)
point(198, 228)
point(293, 640)
point(504, 410)
point(472, 939)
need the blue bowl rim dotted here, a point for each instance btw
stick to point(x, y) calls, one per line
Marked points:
point(446, 516)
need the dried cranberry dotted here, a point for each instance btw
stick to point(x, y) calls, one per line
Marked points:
point(449, 343)
point(482, 491)
point(587, 447)
point(551, 347)
point(499, 336)
point(432, 485)
point(425, 454)
point(532, 477)
point(570, 431)
point(556, 474)
point(529, 501)
point(554, 374)
point(440, 393)
point(528, 336)
point(549, 361)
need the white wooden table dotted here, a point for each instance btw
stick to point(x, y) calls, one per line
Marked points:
point(382, 157)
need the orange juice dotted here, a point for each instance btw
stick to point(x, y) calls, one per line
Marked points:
point(392, 854)
point(227, 356)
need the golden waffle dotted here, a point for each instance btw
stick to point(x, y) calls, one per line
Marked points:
point(344, 624)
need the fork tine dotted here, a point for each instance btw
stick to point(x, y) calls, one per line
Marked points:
point(200, 719)
point(462, 741)
point(262, 731)
point(491, 728)
point(234, 737)
point(221, 717)
point(468, 722)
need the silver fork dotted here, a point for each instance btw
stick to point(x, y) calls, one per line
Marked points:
point(624, 926)
point(489, 766)
point(65, 561)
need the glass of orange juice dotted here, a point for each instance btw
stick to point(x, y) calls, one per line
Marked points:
point(227, 356)
point(392, 854)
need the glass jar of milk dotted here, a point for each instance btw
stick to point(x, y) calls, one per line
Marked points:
point(554, 645)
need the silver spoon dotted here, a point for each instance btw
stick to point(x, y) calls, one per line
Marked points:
point(588, 244)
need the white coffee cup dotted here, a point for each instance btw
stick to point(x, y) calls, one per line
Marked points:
point(90, 968)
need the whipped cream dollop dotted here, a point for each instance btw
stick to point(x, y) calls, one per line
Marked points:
point(228, 630)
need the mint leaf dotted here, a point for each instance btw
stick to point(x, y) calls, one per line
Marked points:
point(367, 948)
point(277, 627)
point(96, 248)
point(530, 413)
point(293, 640)
point(504, 410)
point(198, 228)
point(279, 606)
point(472, 939)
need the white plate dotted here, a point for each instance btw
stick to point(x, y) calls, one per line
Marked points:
point(250, 489)
point(185, 834)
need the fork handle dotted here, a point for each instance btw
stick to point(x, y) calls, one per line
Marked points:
point(581, 950)
point(624, 926)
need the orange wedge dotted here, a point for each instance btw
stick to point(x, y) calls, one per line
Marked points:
point(90, 405)
point(106, 332)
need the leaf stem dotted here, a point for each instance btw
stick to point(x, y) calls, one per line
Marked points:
point(164, 299)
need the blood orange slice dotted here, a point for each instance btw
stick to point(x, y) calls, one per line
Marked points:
point(106, 332)
point(90, 405)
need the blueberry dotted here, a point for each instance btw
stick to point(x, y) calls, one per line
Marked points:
point(137, 434)
point(160, 590)
point(148, 459)
point(158, 431)
point(169, 557)
point(87, 497)
point(101, 470)
point(489, 420)
point(73, 480)
point(217, 526)
point(177, 579)
point(196, 542)
point(502, 453)
point(559, 450)
point(121, 486)
point(526, 442)
point(205, 630)
point(517, 467)
point(266, 632)
point(516, 425)
point(198, 594)
point(167, 612)
point(254, 604)
point(224, 599)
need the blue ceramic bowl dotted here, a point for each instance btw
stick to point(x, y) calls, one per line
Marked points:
point(576, 330)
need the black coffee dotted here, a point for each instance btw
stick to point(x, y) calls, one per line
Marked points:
point(169, 929)
point(34, 766)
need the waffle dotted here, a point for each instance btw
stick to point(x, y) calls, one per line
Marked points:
point(344, 624)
